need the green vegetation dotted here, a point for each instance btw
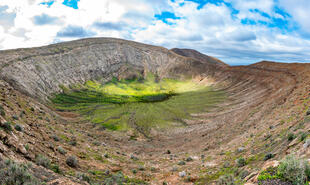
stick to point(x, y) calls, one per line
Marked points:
point(268, 174)
point(61, 150)
point(303, 136)
point(2, 112)
point(72, 161)
point(291, 169)
point(104, 177)
point(223, 176)
point(43, 161)
point(138, 104)
point(12, 173)
point(7, 126)
point(291, 136)
point(226, 180)
point(241, 162)
point(19, 128)
point(119, 178)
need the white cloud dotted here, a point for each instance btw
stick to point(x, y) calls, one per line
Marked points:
point(211, 29)
point(299, 11)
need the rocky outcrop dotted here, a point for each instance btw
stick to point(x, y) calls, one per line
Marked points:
point(39, 72)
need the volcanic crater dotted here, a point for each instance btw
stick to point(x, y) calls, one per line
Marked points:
point(146, 113)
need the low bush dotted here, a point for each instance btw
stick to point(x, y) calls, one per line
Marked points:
point(55, 168)
point(226, 180)
point(303, 136)
point(117, 178)
point(83, 177)
point(61, 150)
point(15, 117)
point(290, 136)
point(73, 142)
point(19, 128)
point(72, 161)
point(292, 170)
point(268, 156)
point(55, 138)
point(241, 162)
point(268, 174)
point(12, 173)
point(243, 174)
point(43, 161)
point(2, 112)
point(7, 126)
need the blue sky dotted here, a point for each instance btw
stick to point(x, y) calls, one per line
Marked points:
point(235, 31)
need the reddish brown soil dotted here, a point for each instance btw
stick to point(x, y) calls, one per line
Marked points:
point(265, 102)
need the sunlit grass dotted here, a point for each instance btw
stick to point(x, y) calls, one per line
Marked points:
point(138, 104)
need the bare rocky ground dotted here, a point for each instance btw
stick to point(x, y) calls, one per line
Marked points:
point(266, 102)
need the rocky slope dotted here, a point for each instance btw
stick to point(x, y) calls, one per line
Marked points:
point(39, 72)
point(266, 102)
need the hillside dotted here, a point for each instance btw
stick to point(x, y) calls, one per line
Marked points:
point(105, 110)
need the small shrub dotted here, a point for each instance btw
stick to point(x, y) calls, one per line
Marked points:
point(19, 128)
point(294, 170)
point(290, 136)
point(153, 169)
point(61, 150)
point(83, 177)
point(117, 178)
point(56, 138)
point(226, 164)
point(226, 180)
point(189, 159)
point(15, 117)
point(181, 163)
point(240, 150)
point(55, 168)
point(27, 147)
point(12, 173)
point(307, 143)
point(72, 161)
point(7, 126)
point(96, 143)
point(73, 142)
point(241, 162)
point(268, 156)
point(303, 136)
point(134, 171)
point(2, 112)
point(43, 161)
point(268, 174)
point(141, 168)
point(243, 174)
point(134, 157)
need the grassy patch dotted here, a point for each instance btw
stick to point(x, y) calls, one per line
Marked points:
point(212, 176)
point(138, 104)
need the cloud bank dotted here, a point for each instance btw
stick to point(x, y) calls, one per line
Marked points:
point(236, 31)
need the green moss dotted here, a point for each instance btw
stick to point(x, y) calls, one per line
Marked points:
point(138, 104)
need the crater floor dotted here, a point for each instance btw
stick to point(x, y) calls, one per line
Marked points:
point(139, 105)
